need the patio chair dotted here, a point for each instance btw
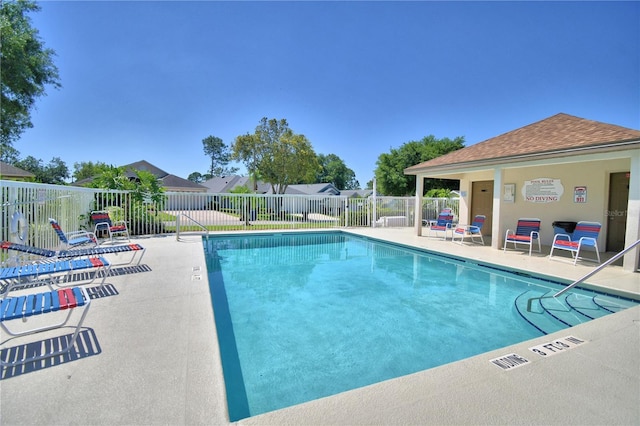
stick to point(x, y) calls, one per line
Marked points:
point(75, 238)
point(527, 232)
point(443, 224)
point(474, 231)
point(103, 222)
point(584, 235)
point(17, 310)
point(426, 222)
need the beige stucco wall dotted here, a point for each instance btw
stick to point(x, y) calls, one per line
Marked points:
point(594, 175)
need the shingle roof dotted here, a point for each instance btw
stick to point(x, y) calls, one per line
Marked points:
point(224, 184)
point(312, 189)
point(8, 170)
point(144, 165)
point(554, 134)
point(173, 181)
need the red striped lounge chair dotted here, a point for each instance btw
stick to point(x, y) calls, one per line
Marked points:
point(473, 231)
point(74, 238)
point(15, 312)
point(102, 222)
point(527, 232)
point(585, 235)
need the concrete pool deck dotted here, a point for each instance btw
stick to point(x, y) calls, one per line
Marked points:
point(149, 355)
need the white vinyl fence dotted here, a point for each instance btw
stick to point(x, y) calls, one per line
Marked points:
point(195, 212)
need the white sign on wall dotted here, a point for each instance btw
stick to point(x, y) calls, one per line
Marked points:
point(580, 194)
point(542, 190)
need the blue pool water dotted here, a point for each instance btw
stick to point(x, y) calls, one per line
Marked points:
point(303, 316)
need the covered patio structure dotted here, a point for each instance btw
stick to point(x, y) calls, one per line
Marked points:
point(560, 169)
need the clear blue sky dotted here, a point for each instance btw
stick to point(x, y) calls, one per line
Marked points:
point(149, 80)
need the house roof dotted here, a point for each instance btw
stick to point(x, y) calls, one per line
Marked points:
point(173, 182)
point(9, 171)
point(313, 189)
point(356, 193)
point(558, 134)
point(224, 184)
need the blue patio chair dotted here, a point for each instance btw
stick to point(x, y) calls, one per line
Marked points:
point(443, 224)
point(527, 232)
point(474, 231)
point(584, 235)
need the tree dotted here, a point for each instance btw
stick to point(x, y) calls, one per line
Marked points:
point(112, 178)
point(147, 198)
point(247, 149)
point(26, 68)
point(55, 172)
point(220, 156)
point(333, 170)
point(389, 172)
point(196, 177)
point(280, 156)
point(88, 169)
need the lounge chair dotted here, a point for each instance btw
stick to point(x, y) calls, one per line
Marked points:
point(103, 222)
point(584, 235)
point(135, 249)
point(75, 238)
point(444, 223)
point(51, 272)
point(527, 232)
point(474, 231)
point(17, 310)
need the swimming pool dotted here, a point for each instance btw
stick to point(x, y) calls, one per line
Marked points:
point(303, 316)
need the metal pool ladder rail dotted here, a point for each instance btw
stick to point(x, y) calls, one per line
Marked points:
point(595, 271)
point(204, 228)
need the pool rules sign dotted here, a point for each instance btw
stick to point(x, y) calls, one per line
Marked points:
point(542, 190)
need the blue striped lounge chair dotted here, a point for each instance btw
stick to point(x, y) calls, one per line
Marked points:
point(527, 232)
point(133, 248)
point(16, 310)
point(53, 272)
point(585, 235)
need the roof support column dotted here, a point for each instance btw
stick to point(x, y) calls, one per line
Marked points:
point(498, 177)
point(631, 260)
point(417, 221)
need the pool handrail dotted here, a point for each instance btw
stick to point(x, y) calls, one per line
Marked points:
point(590, 274)
point(204, 228)
point(598, 269)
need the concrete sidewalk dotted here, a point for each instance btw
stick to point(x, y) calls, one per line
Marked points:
point(150, 356)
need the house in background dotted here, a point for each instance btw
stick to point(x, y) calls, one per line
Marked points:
point(562, 168)
point(225, 184)
point(9, 172)
point(171, 183)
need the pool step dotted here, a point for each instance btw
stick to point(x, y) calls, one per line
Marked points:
point(549, 314)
